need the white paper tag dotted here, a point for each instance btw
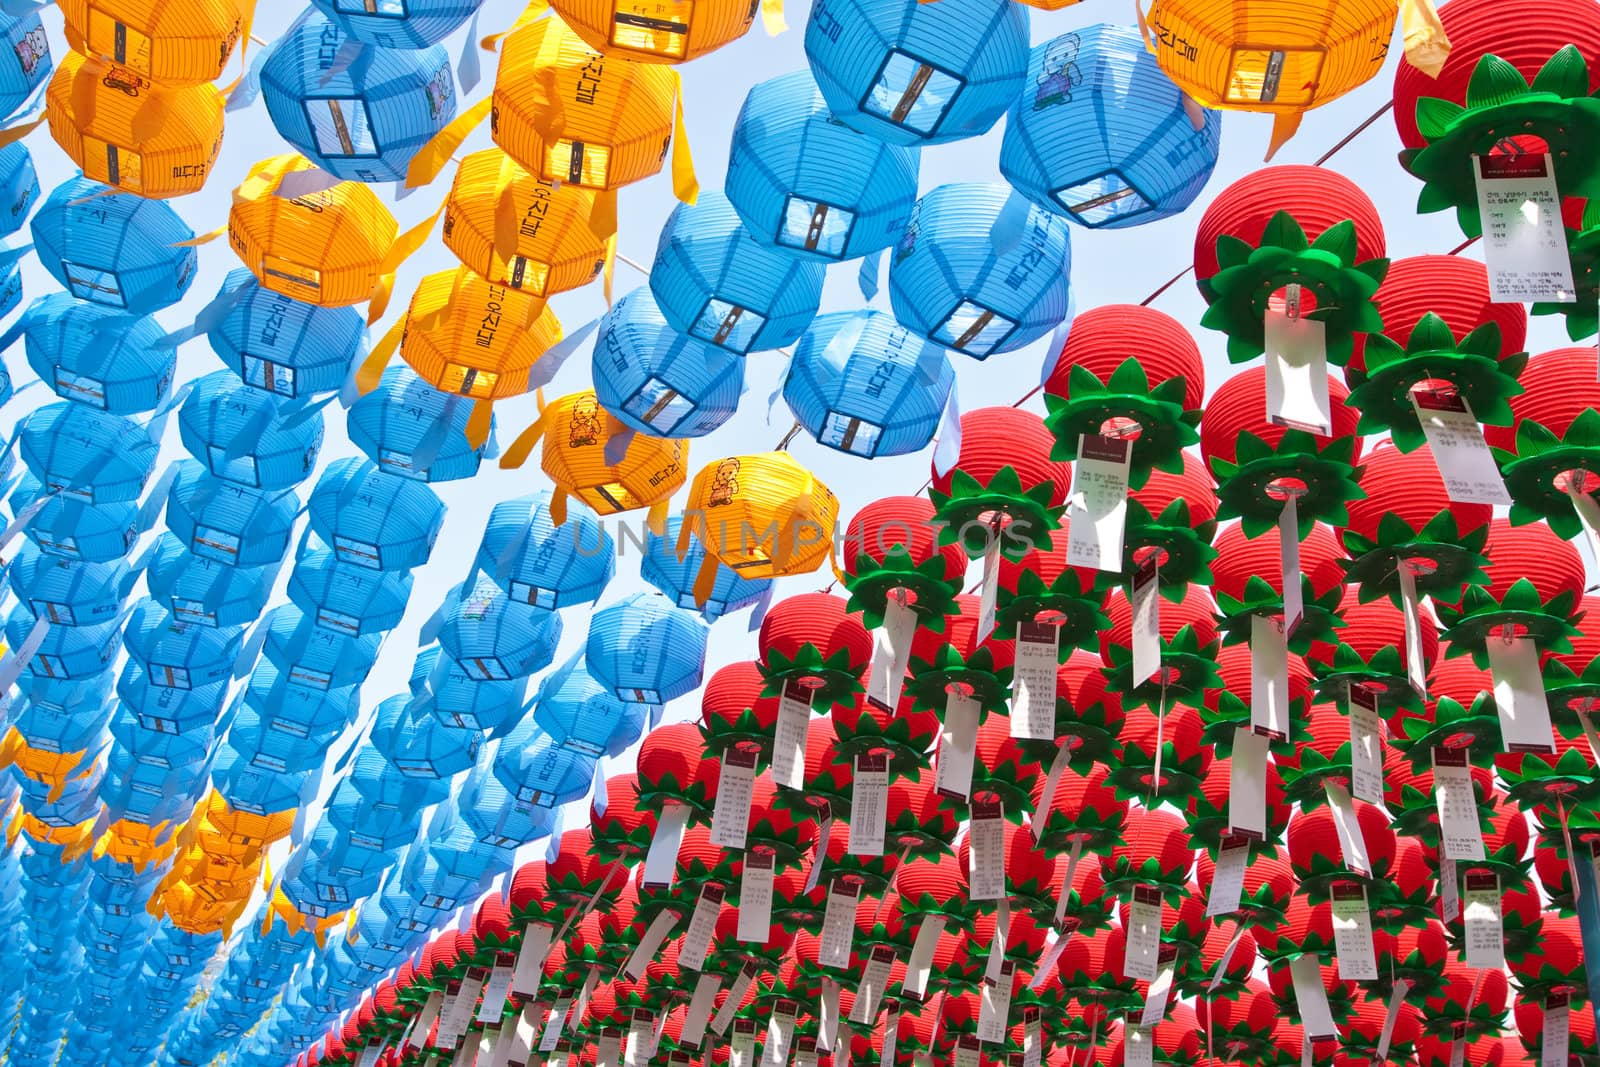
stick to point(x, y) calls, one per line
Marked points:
point(730, 816)
point(755, 898)
point(1221, 970)
point(1269, 677)
point(530, 959)
point(636, 1051)
point(1347, 825)
point(608, 1050)
point(1352, 933)
point(839, 924)
point(1312, 999)
point(650, 942)
point(554, 1024)
point(1033, 690)
point(828, 1015)
point(1366, 746)
point(1146, 620)
point(780, 1034)
point(730, 1004)
point(789, 741)
point(700, 1005)
point(958, 746)
point(702, 926)
point(989, 594)
point(891, 653)
point(869, 804)
point(805, 1053)
point(1297, 373)
point(1460, 836)
point(1519, 695)
point(1142, 958)
point(1458, 1052)
point(1047, 797)
point(1055, 945)
point(819, 848)
point(369, 1055)
point(1032, 1037)
point(429, 1014)
point(1524, 239)
point(1294, 607)
point(920, 965)
point(994, 1008)
point(661, 862)
point(870, 989)
point(891, 1035)
point(1449, 890)
point(1098, 510)
point(1227, 878)
point(1411, 615)
point(742, 1049)
point(1156, 996)
point(986, 875)
point(1247, 784)
point(967, 1051)
point(520, 1046)
point(1465, 463)
point(1397, 1000)
point(1481, 920)
point(1555, 1034)
point(494, 992)
point(467, 1053)
point(1138, 1048)
point(459, 1015)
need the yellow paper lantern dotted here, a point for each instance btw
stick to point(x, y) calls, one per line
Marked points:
point(136, 844)
point(657, 31)
point(221, 829)
point(174, 42)
point(128, 132)
point(76, 837)
point(517, 231)
point(764, 515)
point(568, 114)
point(576, 429)
point(323, 247)
point(54, 769)
point(1284, 57)
point(474, 338)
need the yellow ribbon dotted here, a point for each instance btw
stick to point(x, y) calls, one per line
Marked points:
point(426, 164)
point(684, 184)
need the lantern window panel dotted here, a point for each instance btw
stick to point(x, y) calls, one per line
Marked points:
point(342, 127)
point(84, 493)
point(168, 676)
point(728, 325)
point(268, 762)
point(284, 724)
point(485, 669)
point(416, 768)
point(359, 553)
point(1264, 74)
point(400, 463)
point(115, 909)
point(45, 744)
point(269, 376)
point(338, 620)
point(527, 794)
point(148, 789)
point(120, 42)
point(528, 275)
point(578, 162)
point(816, 226)
point(156, 760)
point(49, 666)
point(659, 406)
point(371, 844)
point(58, 613)
point(81, 388)
point(588, 748)
point(386, 9)
point(313, 679)
point(332, 894)
point(660, 27)
point(294, 275)
point(528, 593)
point(209, 542)
point(121, 167)
point(1103, 199)
point(640, 696)
point(468, 381)
point(94, 284)
point(499, 841)
point(850, 433)
point(193, 611)
point(64, 545)
point(465, 722)
point(158, 725)
point(241, 469)
point(974, 329)
point(437, 902)
point(413, 925)
point(911, 92)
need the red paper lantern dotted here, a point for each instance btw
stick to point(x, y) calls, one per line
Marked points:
point(1558, 386)
point(1103, 337)
point(1240, 405)
point(1454, 288)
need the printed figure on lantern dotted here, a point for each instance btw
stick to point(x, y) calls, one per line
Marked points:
point(586, 427)
point(1060, 73)
point(908, 240)
point(32, 48)
point(725, 486)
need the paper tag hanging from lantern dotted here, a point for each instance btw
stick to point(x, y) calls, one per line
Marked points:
point(702, 926)
point(839, 924)
point(1347, 826)
point(891, 652)
point(958, 747)
point(1411, 614)
point(755, 898)
point(742, 1049)
point(819, 847)
point(1352, 933)
point(994, 1008)
point(920, 965)
point(730, 815)
point(1097, 512)
point(1033, 687)
point(1297, 373)
point(986, 877)
point(1366, 746)
point(661, 862)
point(1449, 890)
point(1269, 677)
point(1032, 1037)
point(1047, 797)
point(730, 1005)
point(699, 1014)
point(1294, 608)
point(650, 943)
point(1138, 1048)
point(530, 959)
point(555, 1023)
point(1465, 463)
point(1055, 945)
point(1524, 239)
point(1064, 890)
point(1482, 921)
point(1555, 1033)
point(1312, 999)
point(869, 804)
point(641, 1032)
point(496, 988)
point(1459, 834)
point(1142, 959)
point(1519, 696)
point(1146, 602)
point(967, 1051)
point(789, 740)
point(870, 988)
point(1391, 1015)
point(780, 1034)
point(1156, 996)
point(608, 1051)
point(1247, 783)
point(805, 1052)
point(997, 944)
point(891, 1034)
point(989, 592)
point(1227, 879)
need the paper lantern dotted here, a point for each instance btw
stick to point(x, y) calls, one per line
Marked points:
point(914, 75)
point(953, 281)
point(25, 35)
point(519, 231)
point(282, 345)
point(471, 337)
point(346, 598)
point(241, 436)
point(398, 24)
point(713, 281)
point(789, 510)
point(658, 381)
point(99, 458)
point(97, 356)
point(362, 122)
point(805, 183)
point(614, 131)
point(67, 593)
point(172, 43)
point(576, 432)
point(580, 713)
point(207, 593)
point(675, 576)
point(1101, 136)
point(111, 248)
point(655, 33)
point(230, 524)
point(323, 248)
point(409, 428)
point(645, 650)
point(864, 385)
point(540, 563)
point(374, 519)
point(1004, 484)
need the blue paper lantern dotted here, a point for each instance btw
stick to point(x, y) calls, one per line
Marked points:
point(913, 73)
point(493, 637)
point(486, 807)
point(148, 746)
point(282, 345)
point(362, 122)
point(115, 249)
point(863, 384)
point(459, 698)
point(313, 656)
point(96, 355)
point(540, 563)
point(372, 519)
point(67, 652)
point(163, 709)
point(644, 649)
point(19, 187)
point(255, 790)
point(74, 721)
point(69, 592)
point(259, 739)
point(398, 23)
point(1101, 135)
point(207, 593)
point(806, 183)
point(180, 655)
point(299, 709)
point(88, 455)
point(243, 435)
point(27, 56)
point(228, 523)
point(537, 770)
point(676, 577)
point(585, 716)
point(68, 528)
point(381, 828)
point(409, 428)
point(714, 282)
point(950, 283)
point(418, 744)
point(345, 598)
point(384, 787)
point(658, 381)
